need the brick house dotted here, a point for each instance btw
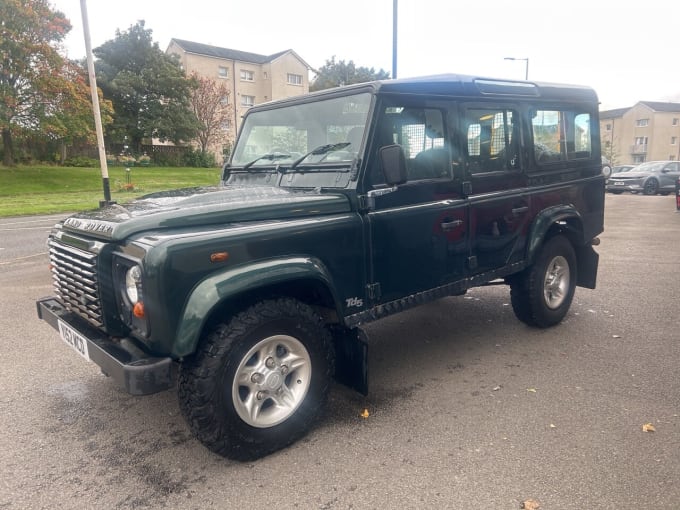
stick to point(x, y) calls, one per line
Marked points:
point(250, 77)
point(648, 131)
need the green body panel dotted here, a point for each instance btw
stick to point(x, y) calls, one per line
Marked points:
point(210, 292)
point(201, 207)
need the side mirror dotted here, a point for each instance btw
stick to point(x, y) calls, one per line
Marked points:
point(393, 162)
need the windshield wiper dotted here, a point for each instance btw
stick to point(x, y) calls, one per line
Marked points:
point(322, 149)
point(270, 156)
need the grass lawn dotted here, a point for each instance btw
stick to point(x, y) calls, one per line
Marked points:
point(50, 189)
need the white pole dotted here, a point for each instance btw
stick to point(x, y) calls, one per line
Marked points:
point(95, 107)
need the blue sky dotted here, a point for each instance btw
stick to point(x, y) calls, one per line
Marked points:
point(627, 54)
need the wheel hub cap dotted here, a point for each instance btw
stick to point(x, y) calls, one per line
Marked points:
point(271, 381)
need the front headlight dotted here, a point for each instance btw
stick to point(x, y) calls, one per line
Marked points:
point(128, 277)
point(133, 280)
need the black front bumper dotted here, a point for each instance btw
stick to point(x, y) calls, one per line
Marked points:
point(121, 359)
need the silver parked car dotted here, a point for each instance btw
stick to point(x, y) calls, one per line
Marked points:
point(648, 178)
point(622, 168)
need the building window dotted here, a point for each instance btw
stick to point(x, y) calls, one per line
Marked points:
point(675, 121)
point(247, 75)
point(247, 100)
point(674, 140)
point(226, 125)
point(265, 75)
point(223, 72)
point(224, 100)
point(640, 140)
point(642, 122)
point(294, 79)
point(608, 127)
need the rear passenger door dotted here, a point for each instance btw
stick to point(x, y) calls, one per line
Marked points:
point(500, 207)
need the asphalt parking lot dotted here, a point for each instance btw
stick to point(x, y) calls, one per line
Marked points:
point(468, 408)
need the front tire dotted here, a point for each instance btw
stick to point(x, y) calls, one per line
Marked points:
point(541, 295)
point(259, 382)
point(651, 187)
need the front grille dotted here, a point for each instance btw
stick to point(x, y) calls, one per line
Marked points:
point(75, 280)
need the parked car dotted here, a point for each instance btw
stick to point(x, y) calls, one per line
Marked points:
point(359, 202)
point(622, 168)
point(618, 170)
point(648, 178)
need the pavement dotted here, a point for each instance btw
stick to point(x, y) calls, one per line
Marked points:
point(468, 408)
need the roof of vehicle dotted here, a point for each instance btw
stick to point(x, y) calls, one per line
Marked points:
point(651, 166)
point(461, 86)
point(464, 85)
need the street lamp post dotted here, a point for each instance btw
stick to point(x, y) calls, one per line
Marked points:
point(526, 66)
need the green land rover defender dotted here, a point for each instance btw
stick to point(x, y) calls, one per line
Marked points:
point(336, 208)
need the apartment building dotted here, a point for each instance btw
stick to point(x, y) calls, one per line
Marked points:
point(648, 131)
point(250, 78)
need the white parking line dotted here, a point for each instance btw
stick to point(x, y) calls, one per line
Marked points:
point(34, 220)
point(22, 258)
point(44, 227)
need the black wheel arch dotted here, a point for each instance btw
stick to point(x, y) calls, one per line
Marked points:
point(310, 291)
point(565, 221)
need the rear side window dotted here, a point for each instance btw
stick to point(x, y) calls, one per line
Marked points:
point(561, 135)
point(492, 140)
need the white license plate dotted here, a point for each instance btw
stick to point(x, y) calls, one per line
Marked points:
point(77, 341)
point(618, 183)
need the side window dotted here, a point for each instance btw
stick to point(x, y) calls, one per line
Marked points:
point(421, 133)
point(492, 140)
point(561, 135)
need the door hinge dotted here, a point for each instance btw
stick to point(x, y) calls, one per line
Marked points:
point(373, 291)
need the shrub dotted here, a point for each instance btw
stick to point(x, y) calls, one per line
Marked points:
point(81, 162)
point(199, 159)
point(126, 160)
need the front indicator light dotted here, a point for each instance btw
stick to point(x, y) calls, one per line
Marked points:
point(219, 256)
point(138, 310)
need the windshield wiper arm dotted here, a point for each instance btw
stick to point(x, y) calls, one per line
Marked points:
point(322, 149)
point(270, 156)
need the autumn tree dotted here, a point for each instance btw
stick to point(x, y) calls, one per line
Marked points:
point(210, 104)
point(30, 67)
point(336, 74)
point(72, 118)
point(149, 90)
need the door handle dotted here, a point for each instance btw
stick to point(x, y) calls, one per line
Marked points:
point(450, 225)
point(520, 210)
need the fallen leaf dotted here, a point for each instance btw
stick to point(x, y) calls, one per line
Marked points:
point(616, 336)
point(531, 390)
point(648, 427)
point(364, 413)
point(553, 426)
point(530, 504)
point(496, 388)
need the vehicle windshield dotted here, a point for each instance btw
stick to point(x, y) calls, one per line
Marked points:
point(327, 131)
point(651, 166)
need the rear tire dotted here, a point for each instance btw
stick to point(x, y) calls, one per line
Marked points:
point(259, 382)
point(541, 295)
